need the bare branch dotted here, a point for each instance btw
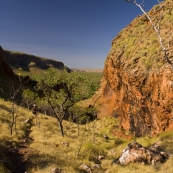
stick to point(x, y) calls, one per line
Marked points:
point(156, 28)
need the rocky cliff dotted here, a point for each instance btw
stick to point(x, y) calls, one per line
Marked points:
point(5, 69)
point(27, 62)
point(137, 86)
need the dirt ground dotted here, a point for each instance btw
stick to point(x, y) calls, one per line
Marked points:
point(18, 154)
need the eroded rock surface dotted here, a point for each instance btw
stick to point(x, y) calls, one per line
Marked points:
point(136, 87)
point(135, 152)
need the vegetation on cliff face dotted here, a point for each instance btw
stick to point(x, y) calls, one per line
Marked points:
point(138, 44)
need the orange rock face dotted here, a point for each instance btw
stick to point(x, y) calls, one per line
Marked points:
point(142, 101)
point(140, 96)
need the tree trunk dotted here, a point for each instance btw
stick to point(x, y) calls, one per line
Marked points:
point(61, 128)
point(12, 122)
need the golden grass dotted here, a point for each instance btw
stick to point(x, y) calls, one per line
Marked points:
point(86, 142)
point(6, 139)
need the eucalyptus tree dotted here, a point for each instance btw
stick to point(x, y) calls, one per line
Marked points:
point(63, 90)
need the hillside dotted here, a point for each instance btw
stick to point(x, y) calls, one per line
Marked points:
point(87, 70)
point(137, 81)
point(5, 70)
point(28, 62)
point(36, 145)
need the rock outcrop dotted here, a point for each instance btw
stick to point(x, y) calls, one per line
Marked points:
point(27, 62)
point(137, 86)
point(5, 69)
point(135, 152)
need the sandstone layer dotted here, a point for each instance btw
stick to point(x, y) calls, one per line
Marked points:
point(137, 86)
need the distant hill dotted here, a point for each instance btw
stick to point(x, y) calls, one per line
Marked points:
point(27, 62)
point(5, 70)
point(87, 70)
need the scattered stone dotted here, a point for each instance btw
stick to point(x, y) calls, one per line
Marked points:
point(25, 140)
point(65, 143)
point(135, 152)
point(166, 155)
point(100, 157)
point(112, 152)
point(96, 166)
point(105, 136)
point(56, 170)
point(27, 121)
point(85, 167)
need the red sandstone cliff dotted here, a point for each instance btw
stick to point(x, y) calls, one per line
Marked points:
point(137, 86)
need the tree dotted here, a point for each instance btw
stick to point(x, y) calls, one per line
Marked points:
point(62, 91)
point(12, 89)
point(29, 97)
point(156, 27)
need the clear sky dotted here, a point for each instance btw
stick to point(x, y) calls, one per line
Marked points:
point(75, 32)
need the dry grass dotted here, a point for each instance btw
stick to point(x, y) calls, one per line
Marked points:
point(86, 142)
point(139, 40)
point(6, 139)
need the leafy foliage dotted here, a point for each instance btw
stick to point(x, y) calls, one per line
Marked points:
point(62, 91)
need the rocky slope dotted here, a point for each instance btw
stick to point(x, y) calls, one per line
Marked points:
point(27, 62)
point(5, 69)
point(137, 86)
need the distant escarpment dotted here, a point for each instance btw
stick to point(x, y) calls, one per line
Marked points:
point(137, 86)
point(9, 78)
point(27, 62)
point(97, 70)
point(5, 69)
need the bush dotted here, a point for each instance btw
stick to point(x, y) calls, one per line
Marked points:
point(118, 141)
point(166, 136)
point(92, 151)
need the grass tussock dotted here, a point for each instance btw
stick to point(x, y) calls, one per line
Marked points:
point(140, 40)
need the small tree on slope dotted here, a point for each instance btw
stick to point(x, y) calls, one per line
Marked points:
point(62, 91)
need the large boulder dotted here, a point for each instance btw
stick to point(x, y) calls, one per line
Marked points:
point(135, 152)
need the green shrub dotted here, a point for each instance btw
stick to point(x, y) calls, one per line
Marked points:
point(166, 146)
point(91, 151)
point(166, 136)
point(146, 62)
point(3, 169)
point(118, 141)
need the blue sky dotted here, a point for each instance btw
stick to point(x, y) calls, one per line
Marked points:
point(75, 32)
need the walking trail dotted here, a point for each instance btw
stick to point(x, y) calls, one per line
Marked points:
point(18, 155)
